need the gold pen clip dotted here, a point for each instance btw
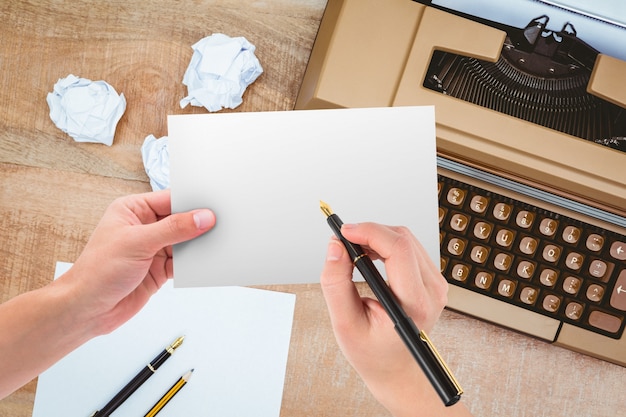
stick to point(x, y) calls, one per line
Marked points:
point(451, 377)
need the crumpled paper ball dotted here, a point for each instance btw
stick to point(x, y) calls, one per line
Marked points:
point(156, 161)
point(86, 110)
point(220, 70)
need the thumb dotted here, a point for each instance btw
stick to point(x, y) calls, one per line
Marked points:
point(342, 297)
point(177, 228)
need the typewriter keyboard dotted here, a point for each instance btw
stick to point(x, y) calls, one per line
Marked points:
point(533, 258)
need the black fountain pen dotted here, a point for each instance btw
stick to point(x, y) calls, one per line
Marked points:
point(415, 340)
point(138, 380)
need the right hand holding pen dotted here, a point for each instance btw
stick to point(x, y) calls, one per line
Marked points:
point(363, 329)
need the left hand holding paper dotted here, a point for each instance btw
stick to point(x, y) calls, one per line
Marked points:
point(86, 110)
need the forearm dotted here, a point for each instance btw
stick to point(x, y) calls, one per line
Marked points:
point(38, 328)
point(127, 259)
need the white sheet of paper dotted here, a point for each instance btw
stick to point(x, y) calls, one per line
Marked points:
point(265, 173)
point(236, 339)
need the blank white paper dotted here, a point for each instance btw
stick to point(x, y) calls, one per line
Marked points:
point(264, 173)
point(236, 340)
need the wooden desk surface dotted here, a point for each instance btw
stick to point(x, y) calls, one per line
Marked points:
point(54, 191)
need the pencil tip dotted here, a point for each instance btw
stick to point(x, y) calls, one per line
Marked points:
point(325, 209)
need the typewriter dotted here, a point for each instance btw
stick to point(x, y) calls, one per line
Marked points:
point(531, 139)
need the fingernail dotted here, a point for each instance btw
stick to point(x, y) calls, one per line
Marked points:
point(348, 226)
point(335, 251)
point(203, 218)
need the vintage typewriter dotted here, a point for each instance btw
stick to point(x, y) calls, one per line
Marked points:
point(531, 140)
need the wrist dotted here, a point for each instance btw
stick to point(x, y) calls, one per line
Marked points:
point(78, 313)
point(399, 392)
point(408, 393)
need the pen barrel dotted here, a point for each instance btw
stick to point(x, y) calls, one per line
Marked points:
point(133, 385)
point(380, 289)
point(431, 363)
point(417, 342)
point(160, 359)
point(125, 392)
point(354, 250)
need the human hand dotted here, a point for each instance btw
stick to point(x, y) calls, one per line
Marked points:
point(363, 330)
point(129, 256)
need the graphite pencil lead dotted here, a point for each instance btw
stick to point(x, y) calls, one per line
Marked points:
point(326, 209)
point(187, 376)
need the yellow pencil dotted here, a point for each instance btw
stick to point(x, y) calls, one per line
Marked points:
point(169, 394)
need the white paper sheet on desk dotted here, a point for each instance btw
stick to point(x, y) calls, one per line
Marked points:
point(264, 174)
point(236, 339)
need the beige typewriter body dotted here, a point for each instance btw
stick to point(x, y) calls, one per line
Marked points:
point(371, 53)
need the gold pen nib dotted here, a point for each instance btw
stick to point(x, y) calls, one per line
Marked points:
point(175, 344)
point(326, 209)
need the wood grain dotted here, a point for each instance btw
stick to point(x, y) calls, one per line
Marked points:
point(54, 190)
